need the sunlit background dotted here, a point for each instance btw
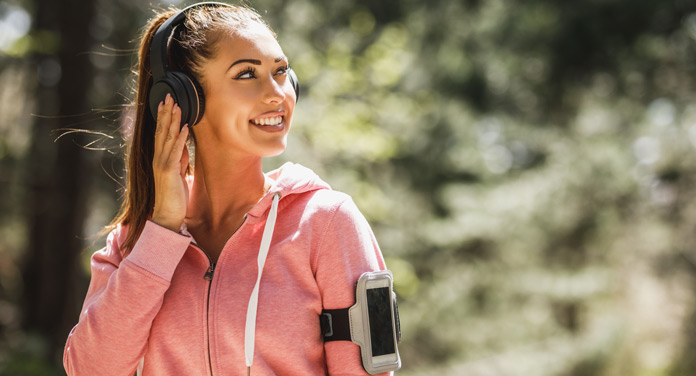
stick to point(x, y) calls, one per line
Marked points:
point(528, 167)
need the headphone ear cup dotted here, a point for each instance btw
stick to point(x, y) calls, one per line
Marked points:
point(190, 99)
point(173, 85)
point(201, 100)
point(295, 83)
point(158, 92)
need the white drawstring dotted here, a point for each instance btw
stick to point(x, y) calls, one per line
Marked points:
point(250, 327)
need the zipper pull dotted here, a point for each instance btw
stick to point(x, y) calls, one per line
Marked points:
point(209, 273)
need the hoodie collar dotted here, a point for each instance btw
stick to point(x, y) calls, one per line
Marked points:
point(289, 179)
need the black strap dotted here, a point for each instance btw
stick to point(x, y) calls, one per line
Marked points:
point(335, 325)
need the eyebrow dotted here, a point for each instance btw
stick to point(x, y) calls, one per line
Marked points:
point(253, 61)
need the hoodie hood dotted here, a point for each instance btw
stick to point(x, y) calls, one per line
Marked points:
point(289, 179)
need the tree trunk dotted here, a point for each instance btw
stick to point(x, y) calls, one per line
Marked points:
point(58, 177)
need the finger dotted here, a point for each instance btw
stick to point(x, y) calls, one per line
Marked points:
point(158, 129)
point(178, 148)
point(163, 119)
point(174, 123)
point(172, 132)
point(184, 161)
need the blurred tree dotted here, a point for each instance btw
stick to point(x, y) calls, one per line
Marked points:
point(528, 168)
point(57, 175)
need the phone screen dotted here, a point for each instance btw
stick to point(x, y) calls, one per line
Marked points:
point(379, 312)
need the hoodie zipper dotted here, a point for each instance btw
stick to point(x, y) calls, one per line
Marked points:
point(208, 276)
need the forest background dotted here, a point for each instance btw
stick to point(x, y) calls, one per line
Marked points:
point(528, 167)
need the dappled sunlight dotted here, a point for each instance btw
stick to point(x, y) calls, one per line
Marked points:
point(528, 168)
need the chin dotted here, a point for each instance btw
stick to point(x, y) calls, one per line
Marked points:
point(274, 151)
point(274, 154)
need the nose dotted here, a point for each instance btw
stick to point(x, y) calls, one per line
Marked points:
point(273, 91)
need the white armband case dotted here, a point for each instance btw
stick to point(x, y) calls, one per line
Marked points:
point(372, 322)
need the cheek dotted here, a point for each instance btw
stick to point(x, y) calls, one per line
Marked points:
point(291, 100)
point(290, 91)
point(228, 105)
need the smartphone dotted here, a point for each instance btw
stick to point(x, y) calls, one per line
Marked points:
point(378, 319)
point(380, 314)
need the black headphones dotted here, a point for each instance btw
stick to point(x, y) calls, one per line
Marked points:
point(184, 89)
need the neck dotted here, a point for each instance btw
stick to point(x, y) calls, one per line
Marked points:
point(224, 187)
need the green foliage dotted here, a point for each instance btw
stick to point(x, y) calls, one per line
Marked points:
point(27, 357)
point(523, 164)
point(528, 168)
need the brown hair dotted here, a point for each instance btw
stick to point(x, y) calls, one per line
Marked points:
point(189, 48)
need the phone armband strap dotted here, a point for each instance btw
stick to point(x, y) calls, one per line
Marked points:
point(335, 324)
point(372, 323)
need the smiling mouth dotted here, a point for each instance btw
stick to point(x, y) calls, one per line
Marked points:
point(274, 120)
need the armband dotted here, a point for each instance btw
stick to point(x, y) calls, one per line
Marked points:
point(372, 323)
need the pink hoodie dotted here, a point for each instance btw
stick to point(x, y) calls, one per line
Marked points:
point(161, 312)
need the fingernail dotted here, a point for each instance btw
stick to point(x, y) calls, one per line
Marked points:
point(167, 99)
point(160, 106)
point(174, 107)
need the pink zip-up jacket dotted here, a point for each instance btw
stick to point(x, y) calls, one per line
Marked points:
point(165, 309)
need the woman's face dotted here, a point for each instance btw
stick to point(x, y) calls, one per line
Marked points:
point(249, 98)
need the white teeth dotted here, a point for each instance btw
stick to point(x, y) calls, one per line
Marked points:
point(269, 121)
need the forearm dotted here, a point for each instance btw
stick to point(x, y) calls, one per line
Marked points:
point(123, 300)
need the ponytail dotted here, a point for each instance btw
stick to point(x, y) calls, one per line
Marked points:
point(139, 196)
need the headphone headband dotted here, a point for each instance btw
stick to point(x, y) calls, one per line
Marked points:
point(158, 48)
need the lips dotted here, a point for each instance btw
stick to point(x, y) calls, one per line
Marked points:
point(272, 121)
point(268, 121)
point(268, 118)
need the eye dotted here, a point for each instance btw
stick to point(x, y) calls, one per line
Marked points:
point(283, 70)
point(246, 74)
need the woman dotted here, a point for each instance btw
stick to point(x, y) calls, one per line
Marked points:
point(178, 290)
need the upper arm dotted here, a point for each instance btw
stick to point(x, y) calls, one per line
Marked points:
point(348, 249)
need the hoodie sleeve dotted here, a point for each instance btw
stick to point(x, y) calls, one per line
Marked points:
point(123, 298)
point(347, 250)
